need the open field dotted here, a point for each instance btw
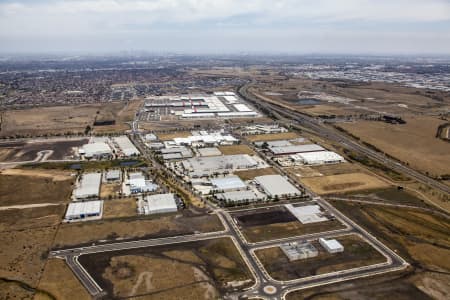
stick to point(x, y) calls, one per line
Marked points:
point(420, 237)
point(343, 183)
point(337, 169)
point(33, 217)
point(236, 149)
point(250, 174)
point(357, 253)
point(24, 189)
point(142, 227)
point(391, 195)
point(171, 136)
point(58, 282)
point(414, 142)
point(64, 119)
point(271, 137)
point(125, 113)
point(27, 151)
point(119, 208)
point(274, 223)
point(109, 190)
point(165, 272)
point(303, 171)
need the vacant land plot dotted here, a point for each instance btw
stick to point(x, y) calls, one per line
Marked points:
point(33, 217)
point(357, 253)
point(343, 183)
point(60, 283)
point(275, 223)
point(391, 195)
point(28, 151)
point(236, 149)
point(163, 272)
point(119, 208)
point(144, 227)
point(336, 169)
point(172, 135)
point(414, 142)
point(109, 190)
point(303, 171)
point(272, 137)
point(23, 189)
point(251, 174)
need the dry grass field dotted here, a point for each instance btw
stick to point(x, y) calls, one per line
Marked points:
point(32, 217)
point(109, 190)
point(172, 135)
point(198, 270)
point(251, 174)
point(414, 142)
point(357, 253)
point(59, 281)
point(18, 187)
point(119, 208)
point(236, 149)
point(271, 137)
point(343, 183)
point(303, 171)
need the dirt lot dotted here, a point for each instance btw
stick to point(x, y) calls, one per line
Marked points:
point(18, 189)
point(206, 267)
point(119, 208)
point(172, 135)
point(59, 282)
point(109, 190)
point(357, 253)
point(27, 151)
point(274, 223)
point(236, 149)
point(337, 169)
point(271, 137)
point(28, 218)
point(417, 236)
point(148, 227)
point(251, 174)
point(343, 183)
point(414, 142)
point(63, 119)
point(303, 171)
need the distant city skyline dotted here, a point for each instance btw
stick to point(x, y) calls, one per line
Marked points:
point(377, 27)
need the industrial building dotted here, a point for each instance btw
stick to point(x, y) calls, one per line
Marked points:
point(299, 250)
point(203, 139)
point(126, 146)
point(209, 151)
point(178, 152)
point(228, 183)
point(318, 158)
point(307, 214)
point(294, 149)
point(160, 203)
point(263, 129)
point(112, 175)
point(276, 186)
point(207, 166)
point(332, 246)
point(237, 197)
point(136, 183)
point(84, 210)
point(88, 186)
point(96, 150)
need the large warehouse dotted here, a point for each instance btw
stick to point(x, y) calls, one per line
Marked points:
point(236, 197)
point(206, 166)
point(276, 186)
point(307, 214)
point(332, 246)
point(318, 158)
point(126, 146)
point(228, 183)
point(88, 186)
point(160, 203)
point(293, 149)
point(84, 210)
point(97, 150)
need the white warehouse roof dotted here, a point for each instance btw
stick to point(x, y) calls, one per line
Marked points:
point(276, 185)
point(296, 149)
point(126, 146)
point(77, 210)
point(228, 183)
point(96, 149)
point(89, 186)
point(160, 203)
point(320, 157)
point(331, 246)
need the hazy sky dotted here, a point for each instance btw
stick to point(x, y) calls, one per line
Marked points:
point(221, 26)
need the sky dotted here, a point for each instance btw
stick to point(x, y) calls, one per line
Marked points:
point(399, 27)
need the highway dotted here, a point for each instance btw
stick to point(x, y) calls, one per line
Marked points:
point(333, 135)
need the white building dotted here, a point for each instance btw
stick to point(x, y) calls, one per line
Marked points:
point(228, 183)
point(136, 183)
point(207, 166)
point(318, 158)
point(112, 175)
point(96, 150)
point(88, 186)
point(293, 149)
point(299, 250)
point(307, 214)
point(276, 186)
point(332, 246)
point(160, 203)
point(126, 147)
point(84, 210)
point(239, 196)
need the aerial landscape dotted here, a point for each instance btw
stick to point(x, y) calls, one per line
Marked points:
point(224, 150)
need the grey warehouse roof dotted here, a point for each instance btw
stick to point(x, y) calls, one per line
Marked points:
point(276, 185)
point(228, 183)
point(296, 149)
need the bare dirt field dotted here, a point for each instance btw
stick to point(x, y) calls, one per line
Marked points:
point(145, 227)
point(303, 171)
point(63, 119)
point(357, 253)
point(28, 218)
point(414, 142)
point(172, 135)
point(206, 267)
point(236, 149)
point(18, 189)
point(337, 169)
point(274, 223)
point(251, 174)
point(109, 190)
point(58, 282)
point(343, 183)
point(124, 113)
point(27, 151)
point(119, 208)
point(271, 137)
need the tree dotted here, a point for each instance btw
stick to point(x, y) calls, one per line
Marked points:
point(87, 130)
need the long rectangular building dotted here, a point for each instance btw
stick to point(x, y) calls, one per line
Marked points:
point(277, 186)
point(126, 146)
point(88, 186)
point(83, 210)
point(293, 149)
